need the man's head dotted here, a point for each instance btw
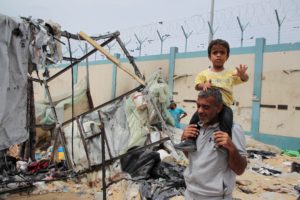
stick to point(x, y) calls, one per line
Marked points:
point(218, 52)
point(172, 105)
point(209, 104)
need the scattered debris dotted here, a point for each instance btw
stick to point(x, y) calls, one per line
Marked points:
point(246, 189)
point(264, 154)
point(295, 167)
point(243, 182)
point(266, 171)
point(277, 188)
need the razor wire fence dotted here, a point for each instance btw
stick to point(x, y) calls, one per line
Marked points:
point(258, 20)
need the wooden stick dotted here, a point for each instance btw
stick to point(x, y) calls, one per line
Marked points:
point(110, 57)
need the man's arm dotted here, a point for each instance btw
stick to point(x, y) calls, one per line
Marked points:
point(184, 114)
point(236, 162)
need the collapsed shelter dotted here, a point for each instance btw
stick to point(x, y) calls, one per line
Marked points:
point(93, 137)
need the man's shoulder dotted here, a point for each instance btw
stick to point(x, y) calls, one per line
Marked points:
point(237, 128)
point(239, 139)
point(171, 111)
point(237, 125)
point(180, 109)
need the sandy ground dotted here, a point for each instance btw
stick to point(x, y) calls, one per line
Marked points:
point(256, 186)
point(51, 196)
point(270, 187)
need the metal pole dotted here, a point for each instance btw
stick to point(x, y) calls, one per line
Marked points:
point(85, 147)
point(58, 128)
point(242, 30)
point(279, 22)
point(212, 7)
point(87, 66)
point(186, 35)
point(79, 60)
point(140, 43)
point(162, 38)
point(88, 92)
point(161, 41)
point(103, 156)
point(185, 46)
point(242, 38)
point(110, 47)
point(111, 57)
point(129, 57)
point(125, 44)
point(278, 41)
point(73, 108)
point(211, 31)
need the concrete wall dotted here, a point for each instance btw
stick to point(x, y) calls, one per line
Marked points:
point(279, 88)
point(267, 106)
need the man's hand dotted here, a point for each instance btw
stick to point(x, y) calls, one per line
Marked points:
point(222, 139)
point(190, 131)
point(236, 162)
point(241, 72)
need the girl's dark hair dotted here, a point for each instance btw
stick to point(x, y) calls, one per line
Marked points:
point(220, 42)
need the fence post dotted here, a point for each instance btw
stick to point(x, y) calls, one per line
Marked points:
point(114, 77)
point(256, 99)
point(172, 60)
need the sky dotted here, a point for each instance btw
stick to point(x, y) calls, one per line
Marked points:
point(144, 18)
point(99, 16)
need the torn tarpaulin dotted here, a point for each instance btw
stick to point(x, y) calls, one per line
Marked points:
point(140, 163)
point(159, 189)
point(164, 180)
point(167, 181)
point(172, 173)
point(13, 81)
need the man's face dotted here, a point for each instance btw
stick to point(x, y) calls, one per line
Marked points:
point(218, 55)
point(208, 110)
point(172, 106)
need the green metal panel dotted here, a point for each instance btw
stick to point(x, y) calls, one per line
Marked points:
point(114, 78)
point(172, 61)
point(283, 142)
point(258, 67)
point(282, 47)
point(75, 73)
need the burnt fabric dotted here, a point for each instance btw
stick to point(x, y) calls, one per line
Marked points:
point(14, 53)
point(37, 166)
